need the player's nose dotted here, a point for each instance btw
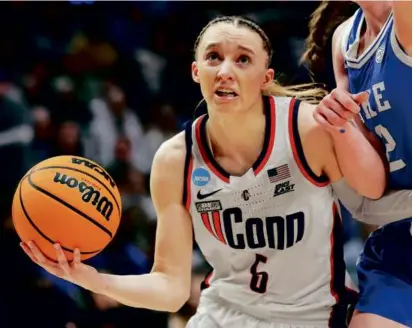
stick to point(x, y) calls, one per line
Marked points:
point(225, 71)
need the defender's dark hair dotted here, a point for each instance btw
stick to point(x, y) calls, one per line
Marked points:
point(324, 21)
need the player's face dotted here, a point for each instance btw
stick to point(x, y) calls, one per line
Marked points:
point(231, 67)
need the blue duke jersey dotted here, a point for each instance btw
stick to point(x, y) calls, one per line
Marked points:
point(385, 71)
point(384, 267)
point(273, 235)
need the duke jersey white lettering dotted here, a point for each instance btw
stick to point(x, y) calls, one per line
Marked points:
point(273, 235)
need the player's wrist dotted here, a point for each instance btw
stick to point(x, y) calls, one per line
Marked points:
point(343, 132)
point(102, 284)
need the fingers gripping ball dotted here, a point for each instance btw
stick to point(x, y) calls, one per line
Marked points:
point(67, 200)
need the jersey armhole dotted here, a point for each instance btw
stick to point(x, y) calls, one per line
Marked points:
point(186, 197)
point(297, 148)
point(345, 34)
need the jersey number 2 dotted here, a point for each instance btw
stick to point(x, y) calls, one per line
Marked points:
point(398, 164)
point(259, 280)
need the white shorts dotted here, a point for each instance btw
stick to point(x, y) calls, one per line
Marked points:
point(218, 316)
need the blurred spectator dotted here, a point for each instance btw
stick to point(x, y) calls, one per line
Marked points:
point(68, 140)
point(42, 143)
point(163, 125)
point(112, 119)
point(131, 182)
point(67, 105)
point(89, 50)
point(16, 133)
point(36, 87)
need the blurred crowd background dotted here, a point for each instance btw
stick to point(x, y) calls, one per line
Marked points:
point(110, 81)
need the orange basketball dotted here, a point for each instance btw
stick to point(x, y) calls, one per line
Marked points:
point(67, 200)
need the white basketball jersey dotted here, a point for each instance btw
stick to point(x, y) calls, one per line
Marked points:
point(273, 235)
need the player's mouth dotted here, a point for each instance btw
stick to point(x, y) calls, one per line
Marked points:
point(225, 94)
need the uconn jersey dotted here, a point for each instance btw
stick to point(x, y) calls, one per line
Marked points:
point(385, 71)
point(273, 235)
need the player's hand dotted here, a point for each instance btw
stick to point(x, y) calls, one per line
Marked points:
point(338, 108)
point(75, 272)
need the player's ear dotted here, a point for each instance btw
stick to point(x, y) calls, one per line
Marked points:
point(194, 69)
point(268, 78)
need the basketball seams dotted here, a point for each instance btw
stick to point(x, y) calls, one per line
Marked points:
point(74, 209)
point(37, 228)
point(83, 172)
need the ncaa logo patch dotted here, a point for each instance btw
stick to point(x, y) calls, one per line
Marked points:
point(201, 177)
point(380, 54)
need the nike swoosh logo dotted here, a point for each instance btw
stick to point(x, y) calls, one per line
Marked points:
point(203, 196)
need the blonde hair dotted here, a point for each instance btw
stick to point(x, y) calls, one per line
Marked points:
point(309, 92)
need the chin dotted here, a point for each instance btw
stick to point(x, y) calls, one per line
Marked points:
point(227, 107)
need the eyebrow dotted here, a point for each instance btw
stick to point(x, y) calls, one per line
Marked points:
point(216, 44)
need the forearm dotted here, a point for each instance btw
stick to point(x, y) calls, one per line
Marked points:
point(359, 162)
point(153, 291)
point(393, 206)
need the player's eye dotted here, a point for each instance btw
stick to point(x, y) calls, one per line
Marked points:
point(212, 56)
point(244, 59)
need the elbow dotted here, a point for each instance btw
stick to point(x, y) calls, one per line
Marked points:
point(371, 193)
point(373, 189)
point(178, 300)
point(375, 194)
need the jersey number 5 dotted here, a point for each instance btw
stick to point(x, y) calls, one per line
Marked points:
point(397, 164)
point(259, 280)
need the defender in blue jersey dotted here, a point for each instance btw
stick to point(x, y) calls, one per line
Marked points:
point(372, 52)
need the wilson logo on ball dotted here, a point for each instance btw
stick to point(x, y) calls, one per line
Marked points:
point(94, 167)
point(102, 204)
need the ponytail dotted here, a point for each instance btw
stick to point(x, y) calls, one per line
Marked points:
point(309, 92)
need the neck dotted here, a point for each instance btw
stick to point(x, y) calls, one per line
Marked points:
point(376, 14)
point(239, 136)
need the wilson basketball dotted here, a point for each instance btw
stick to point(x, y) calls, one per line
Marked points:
point(67, 200)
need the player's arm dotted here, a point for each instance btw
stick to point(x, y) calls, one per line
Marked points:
point(402, 12)
point(342, 82)
point(319, 150)
point(167, 287)
point(358, 152)
point(353, 156)
point(393, 206)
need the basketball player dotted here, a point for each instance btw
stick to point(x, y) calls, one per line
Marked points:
point(251, 179)
point(372, 51)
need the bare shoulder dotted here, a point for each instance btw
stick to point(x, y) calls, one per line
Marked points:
point(402, 12)
point(309, 127)
point(339, 38)
point(317, 143)
point(341, 33)
point(167, 174)
point(341, 29)
point(171, 153)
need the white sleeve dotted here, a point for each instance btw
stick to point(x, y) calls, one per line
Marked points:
point(393, 206)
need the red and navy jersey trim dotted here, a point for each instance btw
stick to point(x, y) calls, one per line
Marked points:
point(186, 197)
point(269, 139)
point(297, 148)
point(343, 295)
